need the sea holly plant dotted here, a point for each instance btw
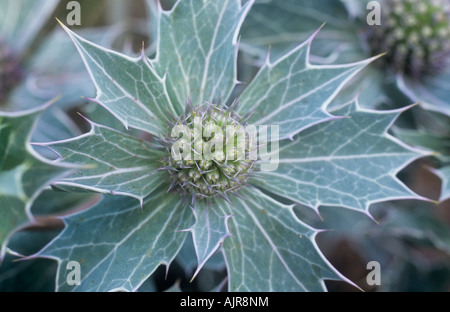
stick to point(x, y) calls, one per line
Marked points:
point(186, 176)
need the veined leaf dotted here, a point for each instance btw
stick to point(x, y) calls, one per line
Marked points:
point(118, 244)
point(209, 231)
point(111, 162)
point(128, 88)
point(197, 49)
point(351, 162)
point(293, 93)
point(23, 173)
point(271, 250)
point(187, 258)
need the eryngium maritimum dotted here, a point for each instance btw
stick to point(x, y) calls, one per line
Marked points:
point(414, 34)
point(208, 152)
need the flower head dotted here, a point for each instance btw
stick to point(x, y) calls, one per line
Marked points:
point(208, 152)
point(414, 34)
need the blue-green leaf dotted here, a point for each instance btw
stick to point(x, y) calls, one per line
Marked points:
point(209, 230)
point(432, 92)
point(271, 250)
point(294, 94)
point(197, 49)
point(281, 25)
point(128, 88)
point(350, 162)
point(111, 162)
point(119, 244)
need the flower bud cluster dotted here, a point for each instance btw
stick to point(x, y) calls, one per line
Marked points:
point(415, 35)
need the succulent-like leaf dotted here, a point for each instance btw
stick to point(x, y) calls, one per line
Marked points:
point(197, 49)
point(351, 162)
point(293, 93)
point(111, 162)
point(280, 25)
point(432, 92)
point(118, 244)
point(271, 250)
point(128, 88)
point(23, 173)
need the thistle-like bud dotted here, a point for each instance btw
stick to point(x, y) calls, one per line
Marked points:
point(415, 35)
point(11, 73)
point(208, 152)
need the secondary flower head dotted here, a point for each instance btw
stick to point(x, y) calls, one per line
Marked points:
point(11, 72)
point(414, 33)
point(209, 152)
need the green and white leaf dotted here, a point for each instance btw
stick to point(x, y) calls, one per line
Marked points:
point(21, 21)
point(119, 244)
point(350, 162)
point(294, 94)
point(23, 173)
point(209, 231)
point(111, 162)
point(197, 50)
point(187, 258)
point(128, 88)
point(271, 250)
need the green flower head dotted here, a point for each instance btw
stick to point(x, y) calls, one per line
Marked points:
point(209, 152)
